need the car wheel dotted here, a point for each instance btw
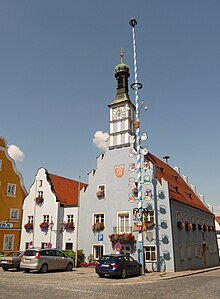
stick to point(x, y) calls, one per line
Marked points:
point(123, 273)
point(69, 267)
point(44, 268)
point(27, 270)
point(5, 269)
point(101, 275)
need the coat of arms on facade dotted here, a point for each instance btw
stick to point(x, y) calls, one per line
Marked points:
point(119, 170)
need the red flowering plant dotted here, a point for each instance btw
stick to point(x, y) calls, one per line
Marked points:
point(69, 225)
point(28, 226)
point(180, 225)
point(122, 238)
point(204, 228)
point(44, 225)
point(98, 226)
point(193, 226)
point(187, 226)
point(199, 227)
point(39, 200)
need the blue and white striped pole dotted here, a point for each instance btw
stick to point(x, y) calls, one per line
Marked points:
point(136, 86)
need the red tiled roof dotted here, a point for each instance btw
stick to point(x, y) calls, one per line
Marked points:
point(66, 190)
point(179, 190)
point(217, 218)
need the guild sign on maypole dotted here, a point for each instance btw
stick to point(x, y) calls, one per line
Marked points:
point(136, 86)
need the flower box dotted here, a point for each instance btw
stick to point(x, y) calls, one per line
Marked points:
point(69, 225)
point(180, 225)
point(28, 226)
point(39, 200)
point(122, 238)
point(44, 225)
point(147, 225)
point(98, 226)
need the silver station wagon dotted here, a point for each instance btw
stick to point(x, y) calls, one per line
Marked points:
point(44, 260)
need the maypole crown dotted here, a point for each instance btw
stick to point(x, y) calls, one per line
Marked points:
point(133, 22)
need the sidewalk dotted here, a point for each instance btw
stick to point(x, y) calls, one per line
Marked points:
point(171, 275)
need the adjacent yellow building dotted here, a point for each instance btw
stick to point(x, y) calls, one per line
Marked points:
point(12, 194)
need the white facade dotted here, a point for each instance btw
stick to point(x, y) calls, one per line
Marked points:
point(217, 227)
point(52, 211)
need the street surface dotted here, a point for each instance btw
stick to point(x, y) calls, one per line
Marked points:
point(84, 283)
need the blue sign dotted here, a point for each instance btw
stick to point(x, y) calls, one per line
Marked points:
point(100, 237)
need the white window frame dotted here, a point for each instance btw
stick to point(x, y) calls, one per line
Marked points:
point(124, 228)
point(70, 218)
point(46, 218)
point(151, 250)
point(30, 218)
point(16, 211)
point(11, 189)
point(8, 248)
point(97, 255)
point(99, 217)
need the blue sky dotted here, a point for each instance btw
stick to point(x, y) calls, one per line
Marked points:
point(57, 63)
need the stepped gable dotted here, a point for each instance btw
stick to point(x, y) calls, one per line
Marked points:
point(179, 190)
point(66, 190)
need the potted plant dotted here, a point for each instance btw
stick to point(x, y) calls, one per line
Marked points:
point(44, 225)
point(28, 226)
point(187, 226)
point(180, 225)
point(204, 228)
point(199, 227)
point(69, 225)
point(39, 200)
point(193, 226)
point(98, 226)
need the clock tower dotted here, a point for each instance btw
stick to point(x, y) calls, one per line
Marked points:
point(122, 110)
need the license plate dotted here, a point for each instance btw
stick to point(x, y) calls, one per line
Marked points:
point(106, 266)
point(4, 262)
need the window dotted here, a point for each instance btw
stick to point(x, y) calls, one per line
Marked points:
point(150, 216)
point(27, 245)
point(40, 183)
point(189, 251)
point(101, 191)
point(14, 213)
point(98, 218)
point(150, 253)
point(0, 164)
point(123, 222)
point(40, 193)
point(126, 250)
point(69, 246)
point(46, 218)
point(11, 191)
point(70, 218)
point(97, 251)
point(30, 219)
point(196, 252)
point(181, 252)
point(43, 244)
point(8, 242)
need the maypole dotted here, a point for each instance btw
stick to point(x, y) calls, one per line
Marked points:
point(136, 86)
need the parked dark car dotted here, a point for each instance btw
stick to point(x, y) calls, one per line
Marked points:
point(11, 260)
point(44, 260)
point(117, 265)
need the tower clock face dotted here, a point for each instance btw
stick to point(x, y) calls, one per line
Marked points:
point(119, 112)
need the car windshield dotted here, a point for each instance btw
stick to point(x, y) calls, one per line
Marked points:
point(109, 259)
point(30, 252)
